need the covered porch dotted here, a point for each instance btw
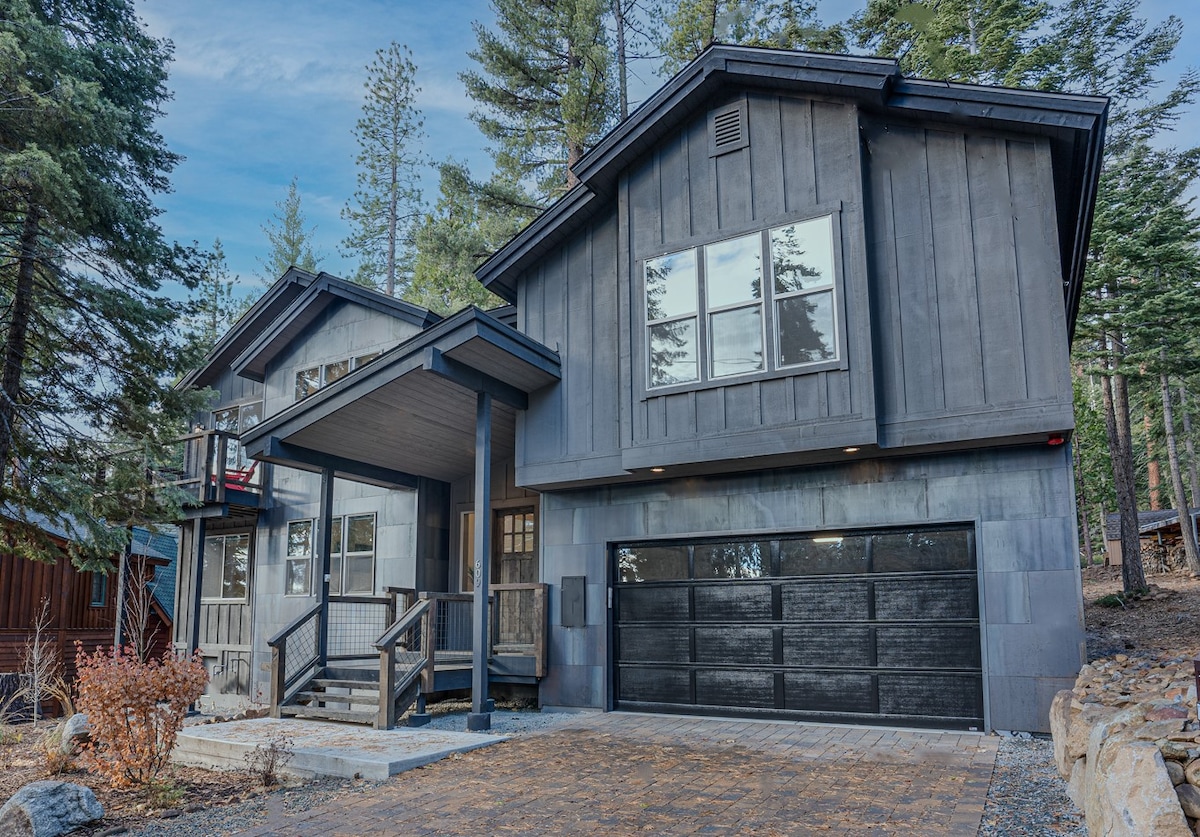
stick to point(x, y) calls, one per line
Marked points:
point(439, 408)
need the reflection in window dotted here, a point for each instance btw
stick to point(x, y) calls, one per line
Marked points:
point(707, 303)
point(823, 555)
point(300, 551)
point(745, 559)
point(922, 551)
point(226, 566)
point(652, 563)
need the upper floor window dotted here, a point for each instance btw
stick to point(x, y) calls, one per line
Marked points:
point(754, 303)
point(99, 590)
point(312, 379)
point(239, 468)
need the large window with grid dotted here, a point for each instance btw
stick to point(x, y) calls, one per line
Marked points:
point(352, 564)
point(751, 304)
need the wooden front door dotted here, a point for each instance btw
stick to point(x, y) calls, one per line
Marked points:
point(515, 562)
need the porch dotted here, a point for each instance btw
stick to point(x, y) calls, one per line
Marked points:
point(367, 659)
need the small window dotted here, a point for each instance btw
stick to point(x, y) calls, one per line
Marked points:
point(226, 567)
point(299, 561)
point(363, 360)
point(99, 590)
point(335, 370)
point(308, 381)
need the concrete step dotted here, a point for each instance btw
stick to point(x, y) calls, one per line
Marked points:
point(328, 697)
point(322, 749)
point(348, 716)
point(328, 683)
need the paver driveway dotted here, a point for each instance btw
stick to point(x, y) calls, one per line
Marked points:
point(640, 774)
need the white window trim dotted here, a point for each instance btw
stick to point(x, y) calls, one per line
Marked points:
point(310, 559)
point(249, 534)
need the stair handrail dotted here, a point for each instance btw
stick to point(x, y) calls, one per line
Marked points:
point(390, 686)
point(280, 682)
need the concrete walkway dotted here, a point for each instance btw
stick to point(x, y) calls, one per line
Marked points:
point(640, 774)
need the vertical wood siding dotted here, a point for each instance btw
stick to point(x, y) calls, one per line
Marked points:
point(966, 287)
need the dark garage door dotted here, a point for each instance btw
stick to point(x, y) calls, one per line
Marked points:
point(878, 627)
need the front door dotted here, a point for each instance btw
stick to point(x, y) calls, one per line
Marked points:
point(515, 562)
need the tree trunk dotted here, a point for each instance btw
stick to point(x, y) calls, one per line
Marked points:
point(17, 340)
point(1116, 421)
point(1153, 472)
point(1181, 501)
point(618, 8)
point(1190, 446)
point(1081, 504)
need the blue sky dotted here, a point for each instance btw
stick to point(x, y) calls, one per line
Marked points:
point(265, 90)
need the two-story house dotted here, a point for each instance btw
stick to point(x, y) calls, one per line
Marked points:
point(778, 425)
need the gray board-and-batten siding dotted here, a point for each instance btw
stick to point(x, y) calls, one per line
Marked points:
point(1019, 501)
point(950, 293)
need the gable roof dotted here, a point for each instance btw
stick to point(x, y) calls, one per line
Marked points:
point(325, 291)
point(1073, 124)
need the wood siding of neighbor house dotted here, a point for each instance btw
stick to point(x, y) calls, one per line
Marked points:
point(803, 160)
point(26, 584)
point(1019, 501)
point(966, 290)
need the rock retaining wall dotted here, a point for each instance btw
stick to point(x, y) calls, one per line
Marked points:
point(1127, 740)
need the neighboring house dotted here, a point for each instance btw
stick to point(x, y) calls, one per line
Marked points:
point(82, 605)
point(1158, 531)
point(776, 428)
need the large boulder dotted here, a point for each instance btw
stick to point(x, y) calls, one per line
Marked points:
point(1129, 793)
point(1071, 725)
point(48, 809)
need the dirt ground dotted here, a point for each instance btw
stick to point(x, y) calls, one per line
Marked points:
point(1167, 619)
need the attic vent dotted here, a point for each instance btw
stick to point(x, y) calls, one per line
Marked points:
point(727, 129)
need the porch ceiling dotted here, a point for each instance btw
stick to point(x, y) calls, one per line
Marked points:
point(411, 412)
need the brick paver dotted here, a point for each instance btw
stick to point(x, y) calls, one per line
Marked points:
point(642, 774)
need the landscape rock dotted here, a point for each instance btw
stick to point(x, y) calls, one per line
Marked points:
point(1189, 800)
point(48, 809)
point(1175, 771)
point(76, 732)
point(1191, 772)
point(1130, 793)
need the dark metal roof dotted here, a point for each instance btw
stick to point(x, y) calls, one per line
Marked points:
point(1148, 521)
point(413, 407)
point(1073, 124)
point(274, 302)
point(326, 290)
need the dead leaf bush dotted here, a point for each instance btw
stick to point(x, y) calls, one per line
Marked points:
point(135, 709)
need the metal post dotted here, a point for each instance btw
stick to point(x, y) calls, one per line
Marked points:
point(198, 588)
point(480, 717)
point(326, 542)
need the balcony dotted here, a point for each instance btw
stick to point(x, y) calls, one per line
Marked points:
point(216, 477)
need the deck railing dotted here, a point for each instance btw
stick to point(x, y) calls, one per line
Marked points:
point(295, 656)
point(405, 654)
point(518, 618)
point(208, 463)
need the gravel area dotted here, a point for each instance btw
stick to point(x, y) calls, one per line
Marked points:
point(1027, 796)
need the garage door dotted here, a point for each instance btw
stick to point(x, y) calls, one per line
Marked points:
point(866, 627)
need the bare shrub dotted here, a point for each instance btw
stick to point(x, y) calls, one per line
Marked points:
point(40, 664)
point(266, 761)
point(135, 709)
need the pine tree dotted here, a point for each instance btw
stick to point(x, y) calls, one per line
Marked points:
point(974, 41)
point(388, 199)
point(454, 238)
point(543, 89)
point(690, 26)
point(86, 332)
point(291, 243)
point(215, 305)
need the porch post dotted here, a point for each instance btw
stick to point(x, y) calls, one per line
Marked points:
point(481, 712)
point(326, 530)
point(198, 586)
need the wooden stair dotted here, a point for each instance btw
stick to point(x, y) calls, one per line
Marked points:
point(347, 695)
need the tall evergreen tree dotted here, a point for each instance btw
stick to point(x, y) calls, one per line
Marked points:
point(454, 238)
point(690, 26)
point(215, 303)
point(290, 240)
point(975, 41)
point(85, 330)
point(543, 89)
point(387, 200)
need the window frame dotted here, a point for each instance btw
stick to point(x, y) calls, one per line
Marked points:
point(353, 364)
point(245, 597)
point(99, 597)
point(767, 306)
point(289, 559)
point(338, 554)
